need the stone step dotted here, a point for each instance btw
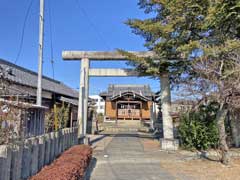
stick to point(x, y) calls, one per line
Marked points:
point(124, 129)
point(123, 126)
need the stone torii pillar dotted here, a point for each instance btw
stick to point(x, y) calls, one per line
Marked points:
point(83, 97)
point(167, 142)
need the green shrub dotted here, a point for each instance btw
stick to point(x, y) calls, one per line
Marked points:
point(198, 129)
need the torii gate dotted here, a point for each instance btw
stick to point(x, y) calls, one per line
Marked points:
point(167, 142)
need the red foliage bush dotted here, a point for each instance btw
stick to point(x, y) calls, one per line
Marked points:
point(71, 165)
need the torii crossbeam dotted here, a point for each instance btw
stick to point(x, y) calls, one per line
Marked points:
point(168, 142)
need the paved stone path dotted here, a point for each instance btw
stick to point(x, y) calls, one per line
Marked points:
point(124, 158)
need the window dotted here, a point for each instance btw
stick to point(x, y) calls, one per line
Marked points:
point(101, 107)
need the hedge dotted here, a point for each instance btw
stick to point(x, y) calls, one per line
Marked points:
point(71, 165)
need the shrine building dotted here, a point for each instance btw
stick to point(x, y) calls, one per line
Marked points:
point(128, 102)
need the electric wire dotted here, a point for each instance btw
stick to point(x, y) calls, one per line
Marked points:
point(23, 31)
point(51, 46)
point(95, 28)
point(51, 39)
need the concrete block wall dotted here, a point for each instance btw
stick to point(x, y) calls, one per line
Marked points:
point(26, 159)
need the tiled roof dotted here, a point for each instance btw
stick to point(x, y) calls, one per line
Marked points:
point(27, 77)
point(131, 93)
point(115, 89)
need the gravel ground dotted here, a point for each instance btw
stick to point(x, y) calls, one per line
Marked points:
point(200, 169)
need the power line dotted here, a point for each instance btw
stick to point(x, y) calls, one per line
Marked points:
point(98, 32)
point(23, 31)
point(51, 39)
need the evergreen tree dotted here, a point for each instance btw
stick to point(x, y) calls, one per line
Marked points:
point(180, 32)
point(174, 25)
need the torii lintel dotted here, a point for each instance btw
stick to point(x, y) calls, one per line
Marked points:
point(104, 55)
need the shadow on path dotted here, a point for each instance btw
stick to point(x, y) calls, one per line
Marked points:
point(90, 169)
point(97, 139)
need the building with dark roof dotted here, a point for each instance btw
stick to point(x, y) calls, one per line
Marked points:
point(132, 102)
point(22, 87)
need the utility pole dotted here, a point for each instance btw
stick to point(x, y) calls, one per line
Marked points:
point(40, 53)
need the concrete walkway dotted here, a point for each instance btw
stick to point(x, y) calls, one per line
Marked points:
point(127, 157)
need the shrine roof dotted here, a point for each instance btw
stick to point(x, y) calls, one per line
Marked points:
point(118, 89)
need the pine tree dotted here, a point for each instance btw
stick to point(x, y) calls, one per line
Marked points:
point(180, 32)
point(174, 25)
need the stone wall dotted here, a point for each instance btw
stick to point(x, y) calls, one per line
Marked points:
point(27, 158)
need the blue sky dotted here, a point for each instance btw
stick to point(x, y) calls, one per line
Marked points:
point(76, 25)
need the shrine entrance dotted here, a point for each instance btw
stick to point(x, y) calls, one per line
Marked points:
point(167, 142)
point(129, 110)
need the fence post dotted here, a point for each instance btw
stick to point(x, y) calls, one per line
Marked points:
point(64, 140)
point(56, 144)
point(52, 149)
point(16, 164)
point(60, 143)
point(72, 136)
point(47, 149)
point(68, 138)
point(26, 159)
point(41, 153)
point(34, 156)
point(5, 162)
point(76, 136)
point(66, 134)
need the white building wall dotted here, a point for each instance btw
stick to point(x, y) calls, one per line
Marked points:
point(100, 103)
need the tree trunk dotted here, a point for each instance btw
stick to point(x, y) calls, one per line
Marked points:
point(221, 116)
